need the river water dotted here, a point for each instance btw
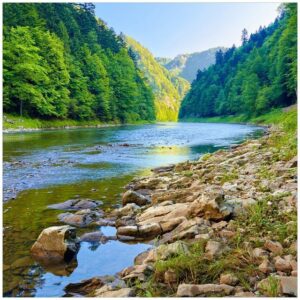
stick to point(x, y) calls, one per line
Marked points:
point(46, 167)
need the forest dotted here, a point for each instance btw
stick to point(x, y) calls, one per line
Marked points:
point(251, 79)
point(60, 61)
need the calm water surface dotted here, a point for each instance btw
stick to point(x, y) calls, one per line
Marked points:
point(42, 168)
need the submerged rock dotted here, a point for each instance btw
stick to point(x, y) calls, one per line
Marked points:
point(96, 237)
point(56, 244)
point(76, 204)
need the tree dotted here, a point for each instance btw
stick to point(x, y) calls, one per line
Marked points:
point(245, 36)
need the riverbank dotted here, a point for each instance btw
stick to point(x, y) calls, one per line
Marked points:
point(223, 225)
point(22, 124)
point(274, 117)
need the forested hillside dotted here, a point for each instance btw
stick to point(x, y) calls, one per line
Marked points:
point(59, 61)
point(187, 65)
point(168, 89)
point(251, 79)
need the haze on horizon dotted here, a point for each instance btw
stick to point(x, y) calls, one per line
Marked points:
point(169, 29)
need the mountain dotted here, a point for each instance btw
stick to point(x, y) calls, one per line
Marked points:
point(60, 61)
point(168, 88)
point(187, 65)
point(252, 79)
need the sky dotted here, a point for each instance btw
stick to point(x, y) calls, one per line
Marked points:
point(169, 29)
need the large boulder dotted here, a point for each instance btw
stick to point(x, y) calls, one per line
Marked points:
point(55, 245)
point(134, 197)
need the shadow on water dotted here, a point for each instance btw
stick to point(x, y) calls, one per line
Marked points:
point(53, 166)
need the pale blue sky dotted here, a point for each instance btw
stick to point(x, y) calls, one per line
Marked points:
point(168, 29)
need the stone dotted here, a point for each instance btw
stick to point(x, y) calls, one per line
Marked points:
point(170, 277)
point(137, 272)
point(219, 225)
point(81, 218)
point(163, 169)
point(128, 210)
point(131, 196)
point(274, 247)
point(288, 285)
point(84, 287)
point(76, 204)
point(56, 244)
point(140, 258)
point(213, 248)
point(149, 231)
point(165, 251)
point(168, 225)
point(209, 205)
point(120, 293)
point(244, 295)
point(127, 231)
point(229, 279)
point(193, 290)
point(282, 265)
point(266, 267)
point(259, 253)
point(226, 233)
point(96, 237)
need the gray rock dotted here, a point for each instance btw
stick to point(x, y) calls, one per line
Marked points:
point(76, 204)
point(193, 290)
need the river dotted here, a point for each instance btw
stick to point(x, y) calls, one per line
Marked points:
point(46, 167)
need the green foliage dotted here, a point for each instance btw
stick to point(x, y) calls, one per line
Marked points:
point(252, 79)
point(168, 89)
point(59, 61)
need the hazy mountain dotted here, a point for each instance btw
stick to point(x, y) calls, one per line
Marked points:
point(187, 65)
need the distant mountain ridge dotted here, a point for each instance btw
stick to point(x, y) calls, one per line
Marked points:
point(187, 65)
point(168, 88)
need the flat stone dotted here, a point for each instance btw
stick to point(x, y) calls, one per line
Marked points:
point(85, 286)
point(229, 279)
point(213, 248)
point(120, 293)
point(193, 290)
point(274, 247)
point(288, 285)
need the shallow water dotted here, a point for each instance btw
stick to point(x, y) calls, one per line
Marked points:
point(42, 168)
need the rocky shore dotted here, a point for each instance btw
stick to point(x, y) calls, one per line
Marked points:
point(225, 225)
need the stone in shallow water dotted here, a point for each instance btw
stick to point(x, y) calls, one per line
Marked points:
point(81, 218)
point(76, 204)
point(96, 237)
point(55, 245)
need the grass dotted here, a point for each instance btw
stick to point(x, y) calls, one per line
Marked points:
point(11, 122)
point(275, 116)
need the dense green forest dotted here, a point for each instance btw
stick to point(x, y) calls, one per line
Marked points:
point(187, 65)
point(169, 89)
point(252, 79)
point(60, 61)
